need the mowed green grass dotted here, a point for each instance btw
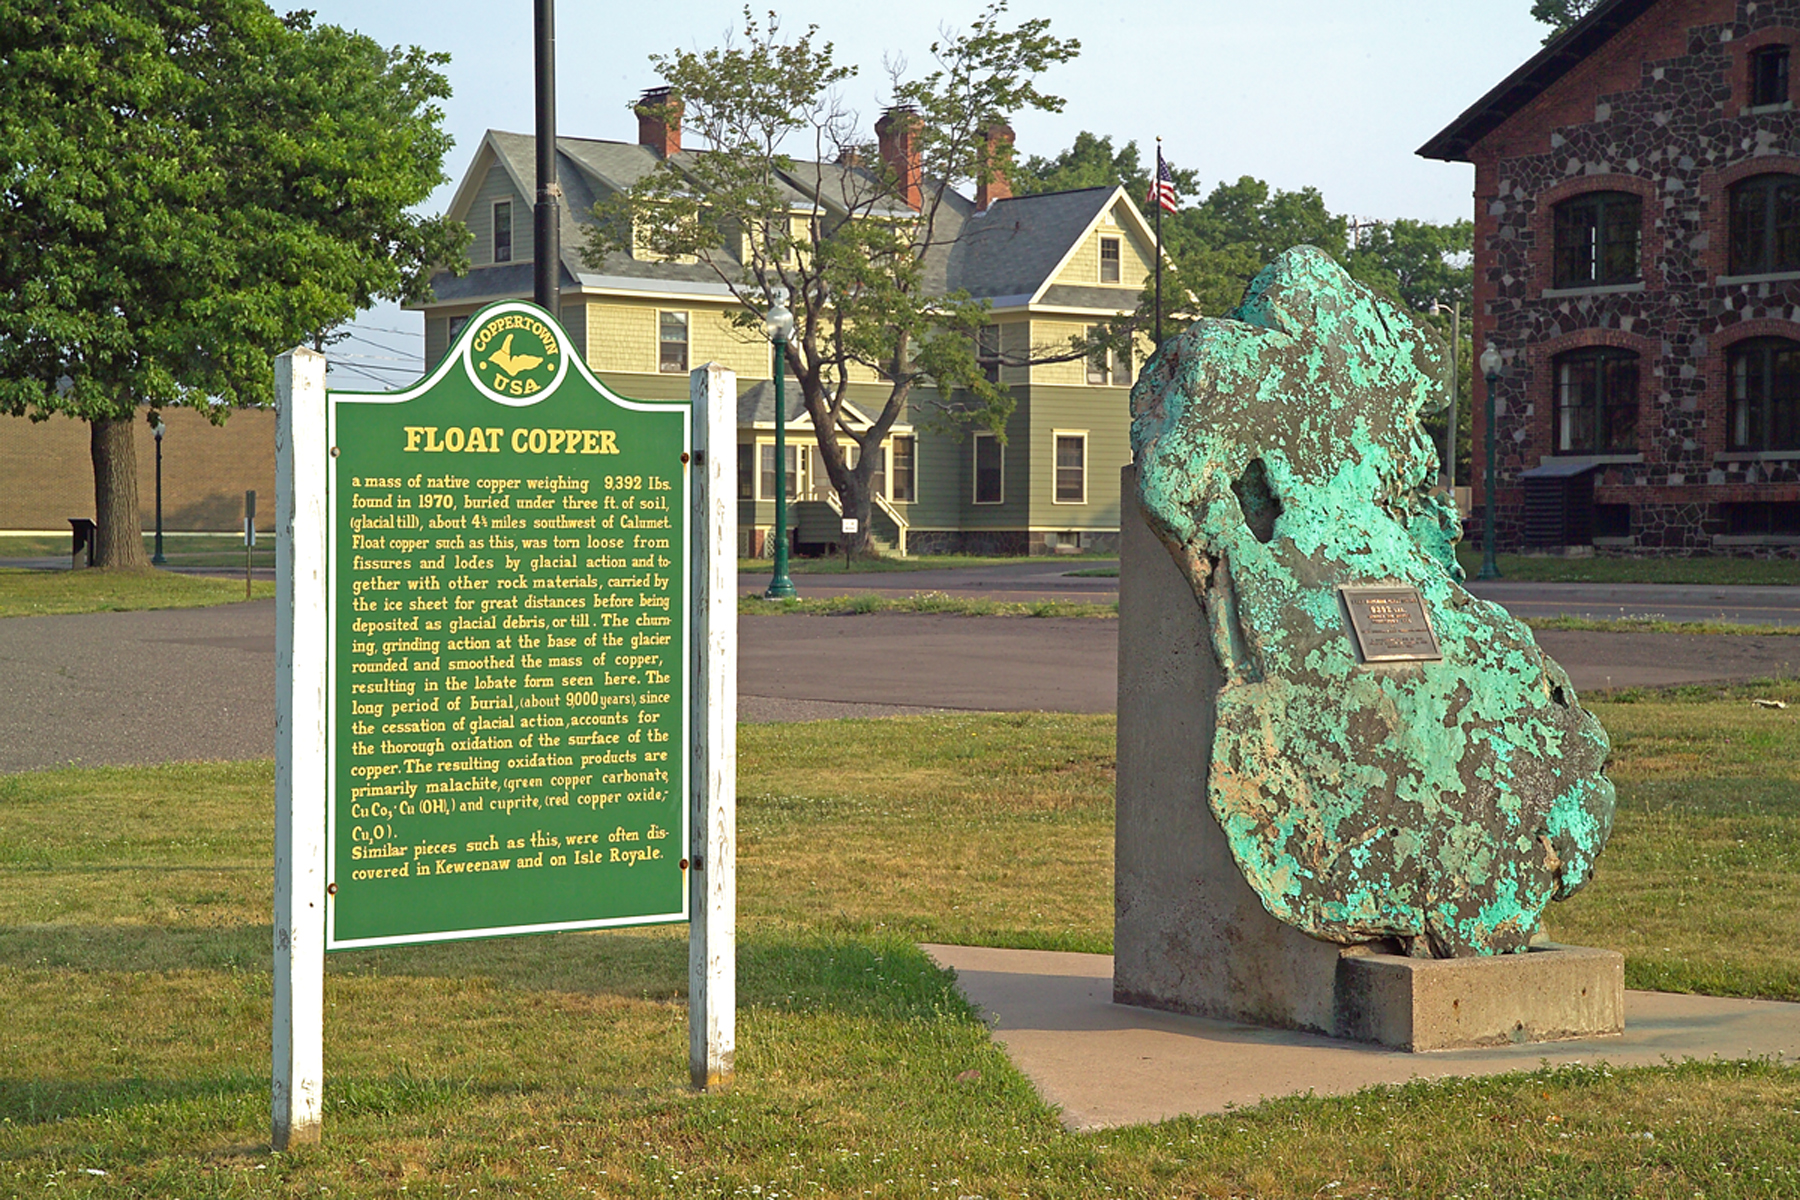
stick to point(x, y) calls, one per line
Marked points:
point(134, 951)
point(1713, 570)
point(34, 593)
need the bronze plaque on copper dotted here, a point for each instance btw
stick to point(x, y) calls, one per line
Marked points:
point(1390, 625)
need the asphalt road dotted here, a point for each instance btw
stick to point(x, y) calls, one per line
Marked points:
point(1049, 579)
point(188, 684)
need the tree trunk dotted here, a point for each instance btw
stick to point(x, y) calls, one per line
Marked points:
point(856, 500)
point(113, 446)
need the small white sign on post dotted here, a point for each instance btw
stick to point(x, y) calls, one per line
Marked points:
point(851, 524)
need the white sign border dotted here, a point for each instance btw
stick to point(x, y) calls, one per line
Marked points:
point(460, 355)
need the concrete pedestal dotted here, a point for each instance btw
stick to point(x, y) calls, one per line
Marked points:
point(1191, 936)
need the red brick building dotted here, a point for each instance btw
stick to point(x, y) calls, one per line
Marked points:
point(1637, 265)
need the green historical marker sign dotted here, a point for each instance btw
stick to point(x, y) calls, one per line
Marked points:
point(508, 562)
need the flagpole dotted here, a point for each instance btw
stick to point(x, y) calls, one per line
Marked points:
point(1156, 190)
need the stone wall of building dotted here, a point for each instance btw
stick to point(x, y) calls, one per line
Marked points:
point(1661, 112)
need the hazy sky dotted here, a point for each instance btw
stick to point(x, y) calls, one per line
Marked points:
point(1295, 92)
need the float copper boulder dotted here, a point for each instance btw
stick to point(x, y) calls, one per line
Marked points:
point(1441, 801)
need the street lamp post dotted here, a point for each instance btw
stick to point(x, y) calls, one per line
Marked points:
point(158, 429)
point(1490, 370)
point(1455, 388)
point(779, 325)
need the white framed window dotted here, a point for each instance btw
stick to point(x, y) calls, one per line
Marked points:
point(502, 231)
point(672, 343)
point(456, 325)
point(1070, 466)
point(903, 473)
point(990, 470)
point(746, 471)
point(987, 352)
point(1108, 368)
point(1110, 260)
point(765, 475)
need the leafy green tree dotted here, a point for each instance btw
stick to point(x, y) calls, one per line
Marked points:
point(1092, 162)
point(1560, 14)
point(1429, 269)
point(851, 243)
point(188, 189)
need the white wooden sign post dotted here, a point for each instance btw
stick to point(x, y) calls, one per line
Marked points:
point(301, 637)
point(712, 884)
point(305, 637)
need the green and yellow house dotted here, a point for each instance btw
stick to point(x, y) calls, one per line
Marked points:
point(1050, 266)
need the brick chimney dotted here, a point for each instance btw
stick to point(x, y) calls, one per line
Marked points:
point(898, 136)
point(995, 156)
point(659, 121)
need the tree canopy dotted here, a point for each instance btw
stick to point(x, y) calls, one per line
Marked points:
point(1560, 14)
point(189, 189)
point(1217, 243)
point(1092, 162)
point(791, 198)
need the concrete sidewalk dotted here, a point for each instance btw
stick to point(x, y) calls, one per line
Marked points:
point(1110, 1064)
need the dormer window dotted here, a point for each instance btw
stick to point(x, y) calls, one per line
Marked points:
point(1597, 239)
point(503, 231)
point(1769, 76)
point(1109, 260)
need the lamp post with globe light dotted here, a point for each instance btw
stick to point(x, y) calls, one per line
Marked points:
point(1490, 370)
point(1455, 385)
point(158, 430)
point(778, 323)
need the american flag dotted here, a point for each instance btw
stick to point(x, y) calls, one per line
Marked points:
point(1163, 190)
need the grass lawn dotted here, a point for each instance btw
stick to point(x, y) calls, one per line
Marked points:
point(1536, 568)
point(827, 565)
point(922, 602)
point(134, 952)
point(29, 593)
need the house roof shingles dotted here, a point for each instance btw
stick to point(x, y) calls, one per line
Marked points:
point(1010, 251)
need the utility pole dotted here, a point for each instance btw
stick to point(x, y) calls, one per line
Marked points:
point(546, 215)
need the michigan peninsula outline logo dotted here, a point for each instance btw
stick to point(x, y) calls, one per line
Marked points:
point(516, 355)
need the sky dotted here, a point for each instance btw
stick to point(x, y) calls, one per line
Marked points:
point(1299, 93)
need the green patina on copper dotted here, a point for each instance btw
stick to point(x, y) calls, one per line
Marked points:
point(1280, 457)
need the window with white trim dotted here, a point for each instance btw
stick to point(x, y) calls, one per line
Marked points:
point(1110, 260)
point(987, 351)
point(672, 343)
point(990, 469)
point(765, 483)
point(503, 231)
point(1108, 367)
point(904, 473)
point(1071, 468)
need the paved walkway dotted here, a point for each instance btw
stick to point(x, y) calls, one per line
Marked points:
point(1110, 1064)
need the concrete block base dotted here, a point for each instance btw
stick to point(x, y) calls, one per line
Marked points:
point(1550, 993)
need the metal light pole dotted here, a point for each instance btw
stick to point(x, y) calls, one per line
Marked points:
point(1490, 370)
point(1455, 388)
point(158, 429)
point(779, 325)
point(546, 215)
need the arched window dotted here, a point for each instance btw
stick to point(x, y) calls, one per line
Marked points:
point(1596, 401)
point(1598, 238)
point(1764, 383)
point(1765, 225)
